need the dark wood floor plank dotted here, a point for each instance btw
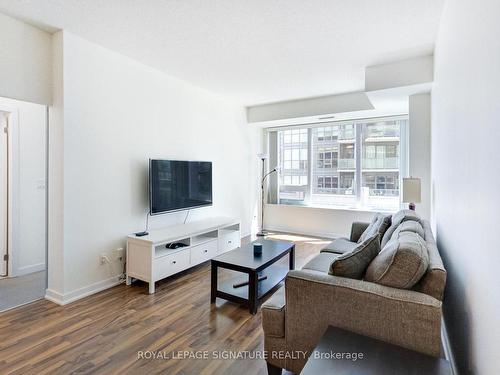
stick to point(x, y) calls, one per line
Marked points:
point(103, 333)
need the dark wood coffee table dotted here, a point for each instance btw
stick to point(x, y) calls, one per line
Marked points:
point(378, 357)
point(264, 275)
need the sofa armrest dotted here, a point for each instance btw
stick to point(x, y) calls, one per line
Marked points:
point(357, 230)
point(315, 300)
point(273, 314)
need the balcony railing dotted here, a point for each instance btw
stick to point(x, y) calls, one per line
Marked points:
point(382, 130)
point(347, 164)
point(334, 191)
point(381, 163)
point(384, 192)
point(346, 134)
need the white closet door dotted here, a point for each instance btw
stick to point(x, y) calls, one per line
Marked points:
point(3, 192)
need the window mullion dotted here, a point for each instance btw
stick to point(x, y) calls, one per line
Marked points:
point(309, 166)
point(358, 153)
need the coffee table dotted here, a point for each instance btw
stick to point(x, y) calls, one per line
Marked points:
point(335, 353)
point(262, 277)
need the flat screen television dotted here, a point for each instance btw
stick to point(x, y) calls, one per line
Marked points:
point(176, 185)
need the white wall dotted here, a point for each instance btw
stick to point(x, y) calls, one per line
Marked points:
point(419, 148)
point(55, 258)
point(417, 70)
point(322, 222)
point(302, 108)
point(28, 160)
point(466, 178)
point(25, 61)
point(117, 113)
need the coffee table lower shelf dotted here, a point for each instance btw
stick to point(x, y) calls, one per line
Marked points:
point(274, 276)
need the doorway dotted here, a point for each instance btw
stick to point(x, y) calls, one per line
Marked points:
point(4, 192)
point(23, 198)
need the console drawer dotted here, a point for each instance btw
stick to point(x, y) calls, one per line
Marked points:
point(170, 264)
point(229, 241)
point(203, 252)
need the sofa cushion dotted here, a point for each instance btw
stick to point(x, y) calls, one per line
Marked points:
point(405, 215)
point(339, 246)
point(378, 225)
point(320, 262)
point(398, 218)
point(273, 314)
point(409, 226)
point(353, 264)
point(434, 280)
point(401, 263)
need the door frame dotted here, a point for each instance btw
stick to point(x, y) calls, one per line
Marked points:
point(12, 187)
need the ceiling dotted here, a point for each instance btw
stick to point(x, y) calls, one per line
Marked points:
point(254, 52)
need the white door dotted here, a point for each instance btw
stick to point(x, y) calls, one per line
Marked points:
point(3, 193)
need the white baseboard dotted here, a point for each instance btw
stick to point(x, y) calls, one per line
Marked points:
point(64, 299)
point(303, 233)
point(54, 296)
point(447, 347)
point(32, 268)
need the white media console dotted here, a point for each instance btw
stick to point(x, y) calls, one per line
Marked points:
point(149, 259)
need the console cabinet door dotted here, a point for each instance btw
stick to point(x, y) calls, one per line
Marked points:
point(202, 253)
point(229, 241)
point(170, 264)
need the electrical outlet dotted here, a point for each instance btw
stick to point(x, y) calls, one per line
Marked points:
point(102, 259)
point(119, 254)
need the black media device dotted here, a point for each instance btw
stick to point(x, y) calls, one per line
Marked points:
point(176, 185)
point(175, 245)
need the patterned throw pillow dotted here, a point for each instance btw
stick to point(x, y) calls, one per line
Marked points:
point(409, 226)
point(398, 218)
point(401, 263)
point(378, 225)
point(353, 264)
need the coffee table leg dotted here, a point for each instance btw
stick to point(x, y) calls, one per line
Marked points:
point(292, 258)
point(213, 288)
point(253, 285)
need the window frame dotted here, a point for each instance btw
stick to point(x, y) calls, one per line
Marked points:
point(359, 155)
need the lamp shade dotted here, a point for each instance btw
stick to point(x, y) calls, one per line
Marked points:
point(411, 190)
point(262, 155)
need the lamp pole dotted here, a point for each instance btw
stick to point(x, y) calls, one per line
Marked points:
point(263, 232)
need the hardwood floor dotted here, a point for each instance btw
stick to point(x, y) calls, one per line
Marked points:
point(107, 332)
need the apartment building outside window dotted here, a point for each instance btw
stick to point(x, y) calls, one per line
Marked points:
point(354, 164)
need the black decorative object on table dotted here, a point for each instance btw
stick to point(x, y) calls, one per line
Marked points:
point(257, 249)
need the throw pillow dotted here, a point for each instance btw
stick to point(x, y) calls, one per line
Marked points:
point(409, 226)
point(353, 263)
point(401, 263)
point(398, 218)
point(378, 225)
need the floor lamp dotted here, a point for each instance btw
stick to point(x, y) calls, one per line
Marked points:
point(263, 157)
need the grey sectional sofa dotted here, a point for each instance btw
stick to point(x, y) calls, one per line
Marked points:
point(297, 315)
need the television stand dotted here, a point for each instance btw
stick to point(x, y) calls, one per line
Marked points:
point(150, 259)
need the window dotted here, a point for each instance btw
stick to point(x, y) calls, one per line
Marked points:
point(327, 158)
point(327, 184)
point(349, 164)
point(293, 178)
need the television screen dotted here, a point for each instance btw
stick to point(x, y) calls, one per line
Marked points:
point(178, 185)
